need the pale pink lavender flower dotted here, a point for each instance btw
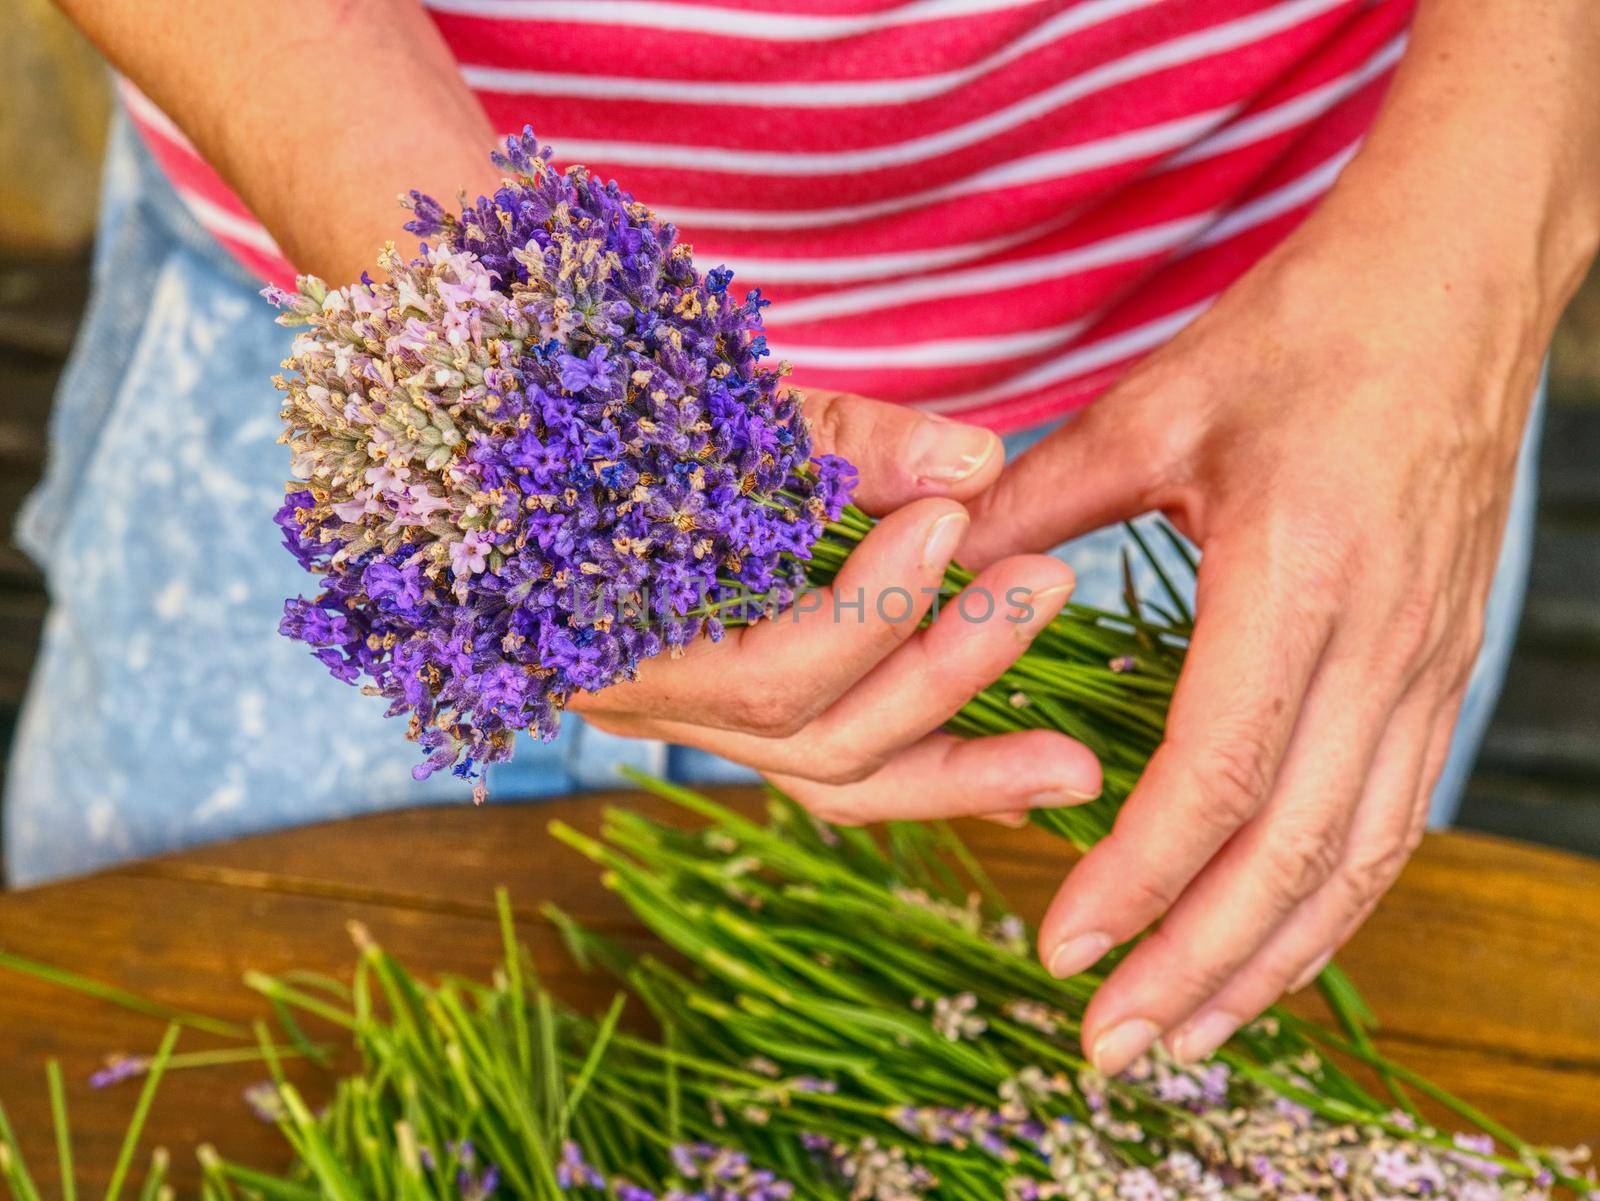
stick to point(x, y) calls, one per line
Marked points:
point(264, 1102)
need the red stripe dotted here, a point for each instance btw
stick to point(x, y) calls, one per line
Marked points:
point(976, 310)
point(1130, 194)
point(1194, 279)
point(1201, 86)
point(273, 269)
point(1191, 281)
point(896, 52)
point(1077, 209)
point(187, 170)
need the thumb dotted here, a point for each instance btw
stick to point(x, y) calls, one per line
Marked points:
point(902, 454)
point(1098, 467)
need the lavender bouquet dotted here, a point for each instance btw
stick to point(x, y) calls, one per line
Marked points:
point(541, 453)
point(547, 449)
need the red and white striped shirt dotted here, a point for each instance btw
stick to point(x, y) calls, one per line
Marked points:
point(988, 208)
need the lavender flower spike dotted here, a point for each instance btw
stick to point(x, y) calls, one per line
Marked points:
point(542, 452)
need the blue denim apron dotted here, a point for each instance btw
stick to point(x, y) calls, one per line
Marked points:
point(164, 709)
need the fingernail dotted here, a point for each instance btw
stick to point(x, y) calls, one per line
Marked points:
point(1312, 972)
point(1078, 954)
point(1045, 603)
point(947, 452)
point(1201, 1037)
point(1015, 820)
point(943, 538)
point(1121, 1045)
point(1065, 794)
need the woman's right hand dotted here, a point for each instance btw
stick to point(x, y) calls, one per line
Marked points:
point(840, 699)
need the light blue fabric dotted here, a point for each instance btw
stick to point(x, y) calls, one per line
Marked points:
point(164, 709)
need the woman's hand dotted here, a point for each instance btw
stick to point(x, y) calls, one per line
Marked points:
point(1340, 443)
point(839, 700)
point(1338, 433)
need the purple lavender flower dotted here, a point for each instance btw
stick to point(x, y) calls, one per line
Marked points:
point(540, 454)
point(587, 372)
point(714, 1173)
point(574, 1171)
point(478, 1187)
point(814, 1084)
point(472, 1184)
point(117, 1069)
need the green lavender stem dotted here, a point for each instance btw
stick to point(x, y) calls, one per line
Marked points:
point(1103, 678)
point(805, 952)
point(900, 950)
point(1066, 682)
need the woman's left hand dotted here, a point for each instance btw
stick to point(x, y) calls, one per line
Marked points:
point(1339, 434)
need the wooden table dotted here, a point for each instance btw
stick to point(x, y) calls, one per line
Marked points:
point(1484, 962)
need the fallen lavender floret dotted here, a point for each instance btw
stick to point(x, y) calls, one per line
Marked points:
point(118, 1068)
point(542, 452)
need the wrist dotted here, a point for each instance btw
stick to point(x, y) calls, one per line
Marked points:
point(1479, 274)
point(1481, 169)
point(342, 237)
point(1519, 248)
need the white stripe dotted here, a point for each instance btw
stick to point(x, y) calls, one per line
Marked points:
point(211, 216)
point(1079, 361)
point(797, 94)
point(947, 352)
point(720, 21)
point(1151, 141)
point(1122, 248)
point(855, 267)
point(1177, 52)
point(1195, 232)
point(144, 110)
point(1280, 201)
point(1134, 144)
point(223, 224)
point(1300, 110)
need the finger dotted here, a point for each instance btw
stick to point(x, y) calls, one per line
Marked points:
point(1376, 846)
point(917, 689)
point(1444, 728)
point(1259, 877)
point(976, 636)
point(943, 776)
point(1253, 653)
point(1095, 469)
point(773, 677)
point(1308, 941)
point(902, 453)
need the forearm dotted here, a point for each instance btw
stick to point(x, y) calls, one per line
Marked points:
point(1483, 169)
point(317, 113)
